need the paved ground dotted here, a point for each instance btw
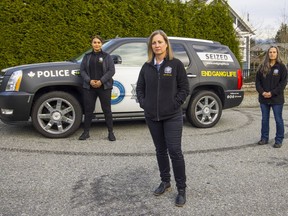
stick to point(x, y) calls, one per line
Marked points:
point(227, 173)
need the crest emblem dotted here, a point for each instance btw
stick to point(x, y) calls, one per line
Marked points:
point(168, 70)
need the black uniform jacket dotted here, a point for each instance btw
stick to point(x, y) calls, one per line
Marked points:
point(108, 70)
point(161, 93)
point(274, 82)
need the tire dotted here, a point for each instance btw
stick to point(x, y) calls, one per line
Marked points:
point(204, 110)
point(56, 114)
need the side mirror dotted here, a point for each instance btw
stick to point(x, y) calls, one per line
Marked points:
point(117, 59)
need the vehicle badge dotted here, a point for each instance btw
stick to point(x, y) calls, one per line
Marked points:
point(31, 74)
point(75, 72)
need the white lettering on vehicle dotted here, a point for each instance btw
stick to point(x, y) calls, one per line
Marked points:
point(53, 73)
point(234, 96)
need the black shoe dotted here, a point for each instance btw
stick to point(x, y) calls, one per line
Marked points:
point(277, 145)
point(181, 198)
point(262, 142)
point(111, 136)
point(164, 186)
point(84, 136)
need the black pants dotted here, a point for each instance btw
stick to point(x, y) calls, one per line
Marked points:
point(167, 135)
point(90, 97)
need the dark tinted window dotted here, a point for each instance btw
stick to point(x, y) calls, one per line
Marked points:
point(180, 53)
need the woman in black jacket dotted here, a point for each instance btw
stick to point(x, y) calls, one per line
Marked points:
point(97, 69)
point(271, 80)
point(162, 88)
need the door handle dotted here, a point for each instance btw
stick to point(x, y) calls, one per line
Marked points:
point(189, 75)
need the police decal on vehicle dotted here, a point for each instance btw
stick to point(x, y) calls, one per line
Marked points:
point(118, 93)
point(53, 73)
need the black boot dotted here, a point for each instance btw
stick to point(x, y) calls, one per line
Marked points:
point(181, 198)
point(164, 186)
point(111, 136)
point(85, 135)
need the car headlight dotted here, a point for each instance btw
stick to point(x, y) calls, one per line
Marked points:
point(14, 81)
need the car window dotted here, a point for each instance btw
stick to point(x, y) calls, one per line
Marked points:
point(215, 56)
point(180, 53)
point(132, 54)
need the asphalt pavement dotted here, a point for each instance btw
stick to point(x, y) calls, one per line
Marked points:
point(227, 173)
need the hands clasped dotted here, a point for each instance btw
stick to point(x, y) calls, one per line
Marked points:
point(267, 94)
point(95, 83)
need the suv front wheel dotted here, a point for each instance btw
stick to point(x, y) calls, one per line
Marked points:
point(204, 110)
point(56, 114)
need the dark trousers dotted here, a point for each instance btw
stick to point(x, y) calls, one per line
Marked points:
point(90, 97)
point(167, 135)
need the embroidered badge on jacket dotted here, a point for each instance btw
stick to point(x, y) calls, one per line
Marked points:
point(167, 71)
point(275, 72)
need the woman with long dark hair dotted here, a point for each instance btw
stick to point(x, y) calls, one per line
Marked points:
point(271, 80)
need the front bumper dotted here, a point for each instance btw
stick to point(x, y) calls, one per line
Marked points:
point(233, 98)
point(17, 104)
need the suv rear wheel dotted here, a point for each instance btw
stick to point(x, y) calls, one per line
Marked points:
point(56, 114)
point(204, 110)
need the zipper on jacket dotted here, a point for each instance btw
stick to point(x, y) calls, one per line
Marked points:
point(158, 90)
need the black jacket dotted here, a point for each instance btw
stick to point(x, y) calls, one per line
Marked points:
point(108, 71)
point(274, 82)
point(162, 93)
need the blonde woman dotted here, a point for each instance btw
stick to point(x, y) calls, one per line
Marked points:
point(162, 88)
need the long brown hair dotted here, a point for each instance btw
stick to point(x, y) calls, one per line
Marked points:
point(265, 66)
point(150, 51)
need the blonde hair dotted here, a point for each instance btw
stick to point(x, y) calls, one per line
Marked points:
point(150, 51)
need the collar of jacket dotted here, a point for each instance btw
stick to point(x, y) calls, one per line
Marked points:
point(101, 52)
point(164, 60)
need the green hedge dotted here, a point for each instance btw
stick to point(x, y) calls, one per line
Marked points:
point(40, 30)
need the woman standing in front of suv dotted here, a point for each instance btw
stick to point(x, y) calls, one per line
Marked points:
point(271, 80)
point(97, 69)
point(162, 88)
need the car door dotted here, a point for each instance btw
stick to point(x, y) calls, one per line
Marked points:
point(132, 55)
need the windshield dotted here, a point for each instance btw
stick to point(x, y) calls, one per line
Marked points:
point(78, 58)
